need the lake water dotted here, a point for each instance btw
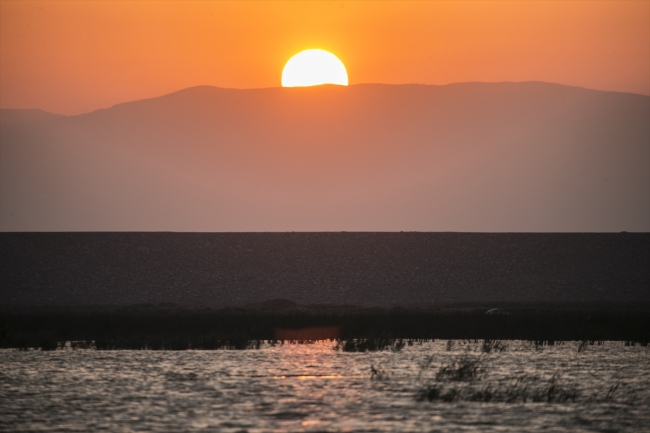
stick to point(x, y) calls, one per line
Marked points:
point(436, 386)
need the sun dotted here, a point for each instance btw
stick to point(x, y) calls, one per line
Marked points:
point(312, 68)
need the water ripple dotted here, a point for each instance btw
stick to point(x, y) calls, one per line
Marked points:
point(315, 388)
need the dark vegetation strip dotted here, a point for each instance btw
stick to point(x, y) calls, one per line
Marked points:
point(171, 327)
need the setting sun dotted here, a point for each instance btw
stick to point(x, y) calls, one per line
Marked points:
point(312, 68)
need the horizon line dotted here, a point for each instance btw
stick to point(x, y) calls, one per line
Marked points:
point(318, 86)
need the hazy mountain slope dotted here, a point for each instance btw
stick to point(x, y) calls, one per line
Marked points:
point(463, 157)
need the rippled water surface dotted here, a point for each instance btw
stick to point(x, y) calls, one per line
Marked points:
point(312, 387)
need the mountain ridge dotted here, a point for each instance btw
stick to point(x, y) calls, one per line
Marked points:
point(493, 157)
point(207, 86)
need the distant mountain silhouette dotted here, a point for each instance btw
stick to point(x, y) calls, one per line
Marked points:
point(462, 157)
point(17, 117)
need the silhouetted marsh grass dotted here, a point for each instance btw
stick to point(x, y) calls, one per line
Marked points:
point(464, 368)
point(170, 327)
point(457, 381)
point(466, 377)
point(378, 373)
point(493, 346)
point(179, 342)
point(370, 344)
point(643, 343)
point(551, 391)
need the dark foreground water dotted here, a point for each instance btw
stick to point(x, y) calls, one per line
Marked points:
point(435, 386)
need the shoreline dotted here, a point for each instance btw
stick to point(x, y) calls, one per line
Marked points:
point(171, 328)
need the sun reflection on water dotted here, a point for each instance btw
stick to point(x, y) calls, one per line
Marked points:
point(312, 387)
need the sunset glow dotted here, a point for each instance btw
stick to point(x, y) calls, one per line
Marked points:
point(313, 68)
point(75, 57)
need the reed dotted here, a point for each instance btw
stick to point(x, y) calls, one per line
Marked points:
point(169, 327)
point(457, 381)
point(370, 345)
point(465, 368)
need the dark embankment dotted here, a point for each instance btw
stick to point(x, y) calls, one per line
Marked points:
point(368, 269)
point(171, 327)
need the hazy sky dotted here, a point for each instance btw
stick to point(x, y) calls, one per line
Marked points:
point(74, 57)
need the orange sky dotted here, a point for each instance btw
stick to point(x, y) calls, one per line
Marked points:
point(73, 57)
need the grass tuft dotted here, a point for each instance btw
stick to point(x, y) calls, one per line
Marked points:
point(370, 345)
point(493, 346)
point(378, 373)
point(465, 368)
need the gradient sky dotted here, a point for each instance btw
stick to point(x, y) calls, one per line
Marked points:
point(74, 57)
